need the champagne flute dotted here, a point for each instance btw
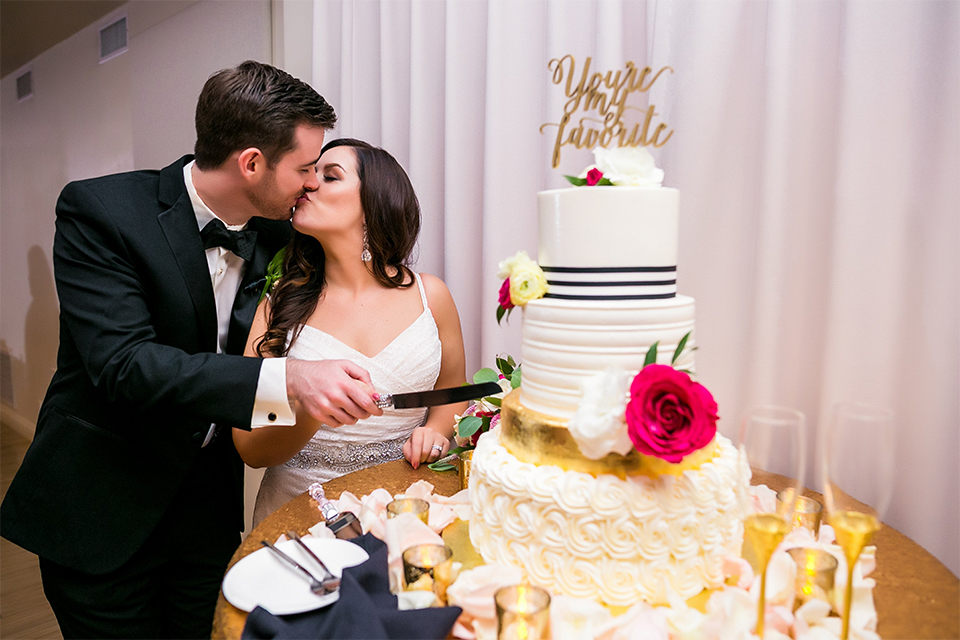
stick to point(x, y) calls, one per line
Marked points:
point(857, 467)
point(773, 442)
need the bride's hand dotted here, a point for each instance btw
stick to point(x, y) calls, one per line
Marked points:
point(425, 445)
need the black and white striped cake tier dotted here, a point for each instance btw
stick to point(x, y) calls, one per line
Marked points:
point(611, 283)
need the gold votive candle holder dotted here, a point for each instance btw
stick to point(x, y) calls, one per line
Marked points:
point(428, 567)
point(523, 612)
point(466, 460)
point(816, 570)
point(416, 506)
point(807, 512)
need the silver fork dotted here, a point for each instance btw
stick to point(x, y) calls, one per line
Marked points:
point(319, 587)
point(332, 582)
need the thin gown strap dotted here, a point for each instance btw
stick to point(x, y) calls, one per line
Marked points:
point(423, 294)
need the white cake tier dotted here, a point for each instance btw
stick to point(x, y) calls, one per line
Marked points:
point(609, 243)
point(612, 540)
point(565, 342)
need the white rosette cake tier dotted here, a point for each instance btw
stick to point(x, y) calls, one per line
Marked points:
point(615, 540)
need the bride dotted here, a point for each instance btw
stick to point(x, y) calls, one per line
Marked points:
point(346, 293)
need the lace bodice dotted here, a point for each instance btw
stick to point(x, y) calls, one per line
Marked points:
point(410, 363)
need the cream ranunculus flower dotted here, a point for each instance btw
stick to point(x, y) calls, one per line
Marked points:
point(599, 426)
point(527, 282)
point(628, 166)
point(506, 266)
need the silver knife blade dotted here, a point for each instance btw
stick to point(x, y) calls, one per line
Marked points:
point(438, 396)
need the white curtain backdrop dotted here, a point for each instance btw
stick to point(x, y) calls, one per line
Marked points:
point(817, 151)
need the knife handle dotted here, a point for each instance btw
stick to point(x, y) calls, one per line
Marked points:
point(384, 401)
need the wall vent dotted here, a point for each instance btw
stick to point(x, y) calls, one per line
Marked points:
point(6, 379)
point(113, 39)
point(24, 86)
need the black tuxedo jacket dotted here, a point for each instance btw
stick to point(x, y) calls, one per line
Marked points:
point(138, 381)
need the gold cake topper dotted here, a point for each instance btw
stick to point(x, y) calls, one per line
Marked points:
point(606, 94)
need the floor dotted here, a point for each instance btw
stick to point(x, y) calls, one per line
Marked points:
point(24, 612)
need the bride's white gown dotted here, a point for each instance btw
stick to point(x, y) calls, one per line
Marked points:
point(410, 363)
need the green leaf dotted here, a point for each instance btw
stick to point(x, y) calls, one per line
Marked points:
point(511, 361)
point(603, 182)
point(651, 354)
point(505, 367)
point(575, 181)
point(459, 450)
point(500, 311)
point(494, 401)
point(515, 378)
point(469, 426)
point(441, 466)
point(683, 343)
point(485, 375)
point(273, 273)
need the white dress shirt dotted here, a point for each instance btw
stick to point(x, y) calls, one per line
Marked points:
point(270, 406)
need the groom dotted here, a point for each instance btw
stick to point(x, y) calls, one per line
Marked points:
point(131, 491)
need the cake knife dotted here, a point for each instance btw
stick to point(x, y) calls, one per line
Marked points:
point(437, 396)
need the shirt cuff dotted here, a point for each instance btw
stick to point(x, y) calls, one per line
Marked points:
point(271, 407)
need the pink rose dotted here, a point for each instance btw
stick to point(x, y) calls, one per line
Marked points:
point(594, 176)
point(504, 300)
point(669, 415)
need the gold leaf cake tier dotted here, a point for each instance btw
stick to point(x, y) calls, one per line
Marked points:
point(539, 438)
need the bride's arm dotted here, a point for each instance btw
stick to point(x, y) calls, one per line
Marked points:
point(270, 446)
point(440, 421)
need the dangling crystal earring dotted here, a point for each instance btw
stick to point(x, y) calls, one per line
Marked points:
point(365, 255)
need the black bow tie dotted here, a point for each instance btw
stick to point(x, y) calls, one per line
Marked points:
point(216, 234)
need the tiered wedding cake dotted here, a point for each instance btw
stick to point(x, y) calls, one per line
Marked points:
point(589, 495)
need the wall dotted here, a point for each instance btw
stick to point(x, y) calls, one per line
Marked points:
point(87, 119)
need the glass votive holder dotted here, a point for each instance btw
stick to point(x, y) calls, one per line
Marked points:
point(523, 612)
point(466, 460)
point(807, 512)
point(416, 506)
point(816, 570)
point(428, 567)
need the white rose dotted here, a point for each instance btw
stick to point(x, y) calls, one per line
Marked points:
point(628, 166)
point(599, 426)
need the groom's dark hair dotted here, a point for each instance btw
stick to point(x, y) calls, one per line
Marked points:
point(255, 105)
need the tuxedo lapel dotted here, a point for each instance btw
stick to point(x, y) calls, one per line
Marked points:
point(179, 224)
point(251, 286)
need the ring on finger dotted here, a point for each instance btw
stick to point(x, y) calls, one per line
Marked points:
point(437, 448)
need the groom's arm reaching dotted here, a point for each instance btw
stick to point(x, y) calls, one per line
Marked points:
point(126, 314)
point(331, 392)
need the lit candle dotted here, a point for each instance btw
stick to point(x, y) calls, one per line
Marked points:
point(815, 574)
point(807, 512)
point(428, 567)
point(416, 506)
point(523, 613)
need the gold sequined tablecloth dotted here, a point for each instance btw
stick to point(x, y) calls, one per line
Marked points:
point(917, 597)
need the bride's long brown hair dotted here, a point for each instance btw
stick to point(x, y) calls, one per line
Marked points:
point(392, 216)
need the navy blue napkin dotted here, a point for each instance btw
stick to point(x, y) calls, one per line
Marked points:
point(366, 609)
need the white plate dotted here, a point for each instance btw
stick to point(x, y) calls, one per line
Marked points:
point(263, 579)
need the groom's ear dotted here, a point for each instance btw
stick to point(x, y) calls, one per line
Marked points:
point(252, 164)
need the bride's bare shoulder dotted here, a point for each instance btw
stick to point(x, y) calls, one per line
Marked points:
point(438, 295)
